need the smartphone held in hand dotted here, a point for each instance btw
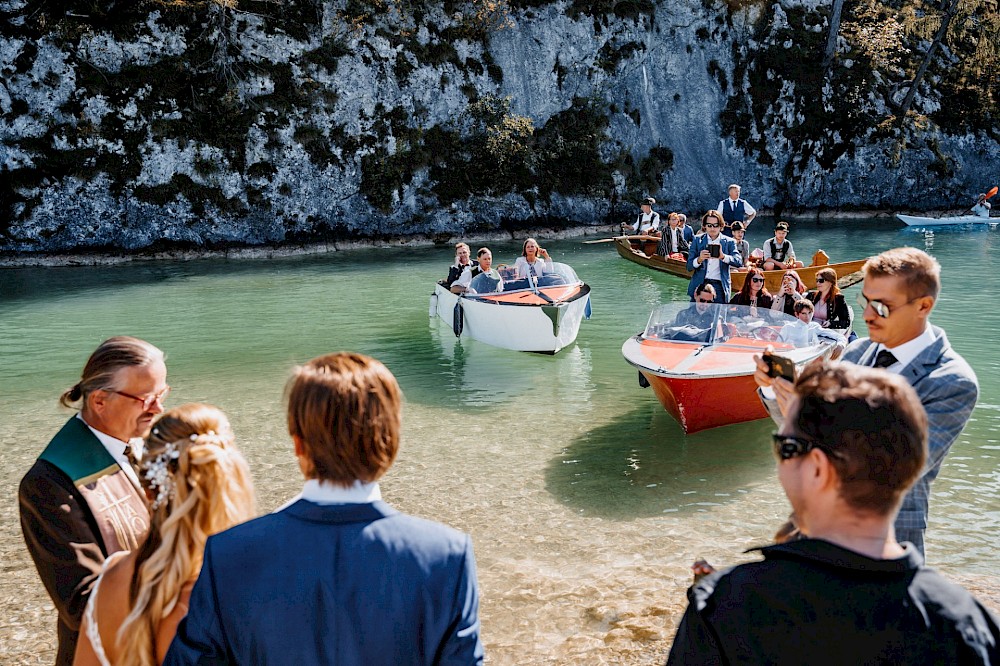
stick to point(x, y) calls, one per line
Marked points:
point(715, 251)
point(780, 366)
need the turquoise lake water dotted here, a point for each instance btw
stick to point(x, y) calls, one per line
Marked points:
point(585, 500)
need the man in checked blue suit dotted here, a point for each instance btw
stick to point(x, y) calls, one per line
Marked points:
point(898, 294)
point(705, 267)
point(338, 576)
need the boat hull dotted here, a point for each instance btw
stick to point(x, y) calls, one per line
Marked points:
point(700, 404)
point(510, 325)
point(772, 279)
point(916, 221)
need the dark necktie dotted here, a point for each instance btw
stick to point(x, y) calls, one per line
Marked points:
point(884, 359)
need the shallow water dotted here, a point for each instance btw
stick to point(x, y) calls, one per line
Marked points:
point(585, 501)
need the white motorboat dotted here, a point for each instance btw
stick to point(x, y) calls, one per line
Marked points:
point(540, 314)
point(915, 221)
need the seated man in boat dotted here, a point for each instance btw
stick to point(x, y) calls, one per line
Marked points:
point(463, 260)
point(742, 246)
point(696, 321)
point(648, 221)
point(778, 251)
point(801, 332)
point(485, 266)
point(982, 207)
point(672, 242)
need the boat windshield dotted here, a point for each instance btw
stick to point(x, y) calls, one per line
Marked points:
point(506, 280)
point(715, 323)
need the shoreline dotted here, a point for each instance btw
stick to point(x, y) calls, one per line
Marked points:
point(257, 252)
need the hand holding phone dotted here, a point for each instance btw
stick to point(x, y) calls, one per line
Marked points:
point(779, 366)
point(714, 251)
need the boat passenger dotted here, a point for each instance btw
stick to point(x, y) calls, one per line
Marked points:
point(485, 265)
point(534, 260)
point(735, 209)
point(695, 321)
point(802, 332)
point(463, 260)
point(648, 221)
point(831, 307)
point(673, 242)
point(742, 246)
point(792, 290)
point(778, 250)
point(982, 207)
point(711, 257)
point(753, 294)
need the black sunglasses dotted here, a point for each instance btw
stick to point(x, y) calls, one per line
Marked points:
point(757, 279)
point(819, 280)
point(787, 447)
point(713, 225)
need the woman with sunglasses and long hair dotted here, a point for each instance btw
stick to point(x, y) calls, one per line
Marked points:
point(831, 306)
point(198, 484)
point(753, 293)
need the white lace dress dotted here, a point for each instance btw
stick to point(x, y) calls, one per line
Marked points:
point(90, 613)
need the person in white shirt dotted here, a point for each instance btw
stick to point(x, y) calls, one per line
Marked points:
point(735, 209)
point(485, 265)
point(648, 221)
point(801, 332)
point(534, 260)
point(982, 207)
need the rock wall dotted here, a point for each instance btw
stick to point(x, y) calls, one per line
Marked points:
point(214, 124)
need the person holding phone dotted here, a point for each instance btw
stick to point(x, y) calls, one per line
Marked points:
point(790, 293)
point(711, 257)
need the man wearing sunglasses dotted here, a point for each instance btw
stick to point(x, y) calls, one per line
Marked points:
point(897, 296)
point(81, 501)
point(854, 442)
point(712, 266)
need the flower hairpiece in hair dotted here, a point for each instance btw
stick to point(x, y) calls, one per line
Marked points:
point(158, 474)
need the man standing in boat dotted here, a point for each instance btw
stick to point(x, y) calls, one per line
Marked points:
point(710, 258)
point(81, 501)
point(899, 291)
point(648, 221)
point(735, 209)
point(485, 265)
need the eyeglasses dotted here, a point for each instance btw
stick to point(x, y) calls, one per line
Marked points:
point(820, 280)
point(787, 447)
point(880, 308)
point(710, 300)
point(756, 279)
point(148, 401)
point(713, 225)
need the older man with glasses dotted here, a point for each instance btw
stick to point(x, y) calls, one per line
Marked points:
point(711, 257)
point(898, 295)
point(82, 500)
point(854, 442)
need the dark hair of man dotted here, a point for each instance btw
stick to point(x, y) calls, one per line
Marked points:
point(873, 423)
point(345, 409)
point(920, 272)
point(704, 287)
point(803, 305)
point(482, 251)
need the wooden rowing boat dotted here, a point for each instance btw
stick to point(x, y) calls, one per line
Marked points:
point(641, 251)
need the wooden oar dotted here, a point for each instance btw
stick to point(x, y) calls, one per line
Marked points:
point(612, 240)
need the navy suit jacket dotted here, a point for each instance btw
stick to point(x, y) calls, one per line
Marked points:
point(348, 584)
point(730, 258)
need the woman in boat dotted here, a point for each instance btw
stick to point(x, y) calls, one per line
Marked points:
point(198, 484)
point(831, 306)
point(792, 290)
point(753, 293)
point(534, 261)
point(463, 260)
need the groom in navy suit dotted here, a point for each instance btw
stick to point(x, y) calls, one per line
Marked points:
point(713, 269)
point(337, 576)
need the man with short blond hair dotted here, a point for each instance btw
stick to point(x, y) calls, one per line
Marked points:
point(854, 441)
point(336, 575)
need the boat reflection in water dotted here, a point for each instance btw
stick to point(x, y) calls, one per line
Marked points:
point(698, 358)
point(531, 314)
point(480, 375)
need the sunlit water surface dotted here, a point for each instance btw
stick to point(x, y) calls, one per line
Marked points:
point(585, 501)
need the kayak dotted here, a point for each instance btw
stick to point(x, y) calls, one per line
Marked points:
point(915, 221)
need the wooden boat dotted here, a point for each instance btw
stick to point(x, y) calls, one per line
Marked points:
point(534, 315)
point(698, 359)
point(642, 252)
point(916, 221)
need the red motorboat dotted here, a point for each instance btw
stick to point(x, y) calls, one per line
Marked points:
point(698, 358)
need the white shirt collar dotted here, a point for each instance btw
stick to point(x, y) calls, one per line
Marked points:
point(908, 351)
point(325, 493)
point(116, 448)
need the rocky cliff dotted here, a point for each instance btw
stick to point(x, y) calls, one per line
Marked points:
point(152, 123)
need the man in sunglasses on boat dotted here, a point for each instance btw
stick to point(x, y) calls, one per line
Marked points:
point(897, 297)
point(854, 442)
point(710, 258)
point(81, 501)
